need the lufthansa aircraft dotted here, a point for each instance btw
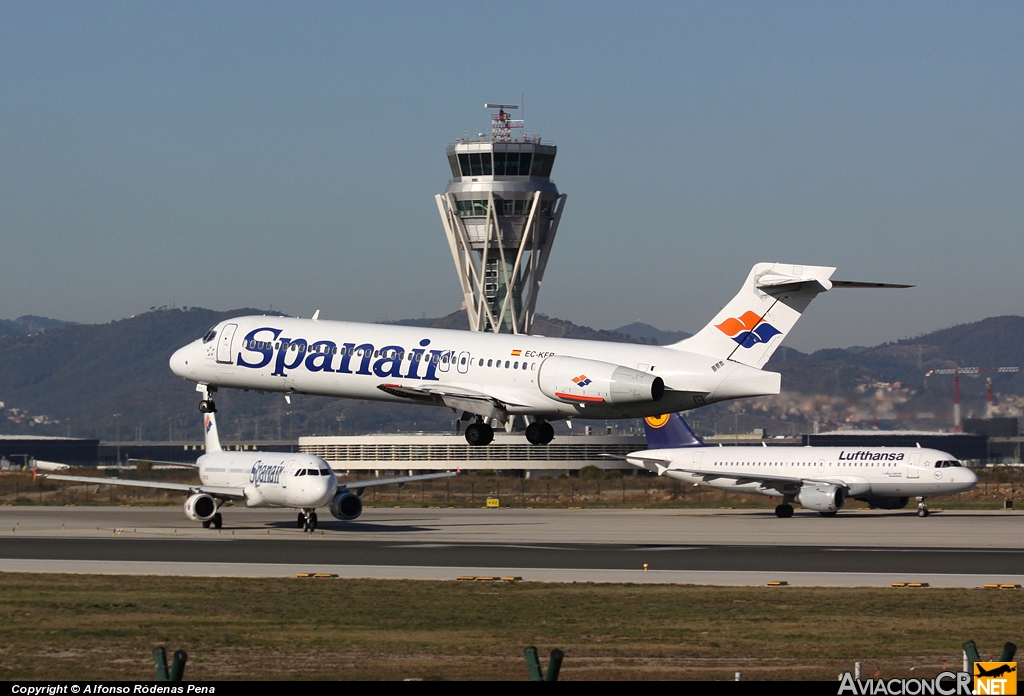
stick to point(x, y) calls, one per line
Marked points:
point(490, 377)
point(262, 479)
point(818, 478)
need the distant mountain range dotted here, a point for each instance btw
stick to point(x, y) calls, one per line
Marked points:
point(28, 324)
point(59, 378)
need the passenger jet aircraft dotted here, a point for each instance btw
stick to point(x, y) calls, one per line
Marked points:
point(262, 479)
point(491, 377)
point(818, 478)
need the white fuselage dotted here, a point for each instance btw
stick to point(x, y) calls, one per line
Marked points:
point(280, 354)
point(271, 479)
point(863, 471)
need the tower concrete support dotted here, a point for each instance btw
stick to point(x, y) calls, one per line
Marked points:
point(500, 213)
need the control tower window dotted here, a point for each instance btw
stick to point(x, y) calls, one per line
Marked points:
point(480, 163)
point(464, 165)
point(512, 163)
point(453, 161)
point(542, 165)
point(476, 208)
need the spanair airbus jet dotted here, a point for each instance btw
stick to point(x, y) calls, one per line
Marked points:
point(262, 479)
point(818, 478)
point(490, 377)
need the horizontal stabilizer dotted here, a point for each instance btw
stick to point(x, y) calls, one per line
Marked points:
point(859, 284)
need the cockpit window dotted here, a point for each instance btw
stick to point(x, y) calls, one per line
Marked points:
point(325, 472)
point(943, 465)
point(210, 335)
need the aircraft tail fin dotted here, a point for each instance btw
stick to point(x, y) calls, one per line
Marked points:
point(752, 326)
point(210, 433)
point(669, 432)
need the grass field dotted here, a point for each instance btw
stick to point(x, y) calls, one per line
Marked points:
point(105, 627)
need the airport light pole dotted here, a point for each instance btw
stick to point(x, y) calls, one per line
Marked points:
point(117, 421)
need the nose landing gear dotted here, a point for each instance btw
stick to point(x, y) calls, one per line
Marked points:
point(922, 509)
point(306, 520)
point(206, 405)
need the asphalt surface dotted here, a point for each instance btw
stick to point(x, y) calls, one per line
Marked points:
point(730, 547)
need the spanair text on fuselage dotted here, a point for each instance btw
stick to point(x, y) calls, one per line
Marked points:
point(279, 354)
point(271, 479)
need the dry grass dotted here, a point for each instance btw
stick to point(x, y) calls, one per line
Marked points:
point(105, 627)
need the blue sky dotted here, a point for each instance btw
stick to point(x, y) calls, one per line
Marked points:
point(249, 154)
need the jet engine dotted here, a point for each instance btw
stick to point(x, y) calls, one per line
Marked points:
point(346, 505)
point(885, 502)
point(200, 507)
point(579, 380)
point(821, 497)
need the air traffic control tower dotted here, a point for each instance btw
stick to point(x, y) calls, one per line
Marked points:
point(500, 212)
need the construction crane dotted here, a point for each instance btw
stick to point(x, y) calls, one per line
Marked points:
point(956, 372)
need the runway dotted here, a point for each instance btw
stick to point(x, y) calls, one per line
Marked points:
point(726, 547)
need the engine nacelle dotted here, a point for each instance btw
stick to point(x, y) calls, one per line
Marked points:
point(346, 505)
point(885, 502)
point(821, 497)
point(577, 380)
point(200, 507)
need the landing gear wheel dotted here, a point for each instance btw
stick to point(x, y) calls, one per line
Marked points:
point(479, 434)
point(312, 522)
point(922, 511)
point(206, 524)
point(535, 433)
point(300, 521)
point(784, 510)
point(549, 432)
point(826, 513)
point(207, 406)
point(218, 521)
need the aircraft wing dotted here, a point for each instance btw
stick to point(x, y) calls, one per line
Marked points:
point(216, 491)
point(454, 397)
point(396, 479)
point(183, 465)
point(767, 481)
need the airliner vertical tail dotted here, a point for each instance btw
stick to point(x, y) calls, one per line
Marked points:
point(210, 433)
point(752, 326)
point(669, 432)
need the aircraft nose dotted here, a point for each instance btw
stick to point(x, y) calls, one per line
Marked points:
point(179, 362)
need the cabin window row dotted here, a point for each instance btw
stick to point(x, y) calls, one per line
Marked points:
point(444, 358)
point(509, 364)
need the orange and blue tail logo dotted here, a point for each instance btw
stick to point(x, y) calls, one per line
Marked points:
point(209, 422)
point(669, 431)
point(748, 330)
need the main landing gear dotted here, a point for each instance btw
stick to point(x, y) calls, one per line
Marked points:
point(540, 432)
point(784, 510)
point(922, 509)
point(479, 434)
point(206, 405)
point(307, 520)
point(216, 522)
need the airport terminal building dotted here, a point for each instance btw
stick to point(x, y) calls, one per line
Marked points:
point(382, 453)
